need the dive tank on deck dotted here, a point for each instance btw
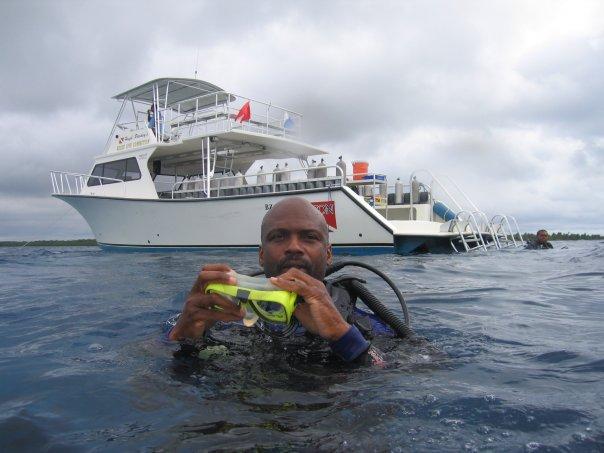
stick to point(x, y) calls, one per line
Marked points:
point(398, 191)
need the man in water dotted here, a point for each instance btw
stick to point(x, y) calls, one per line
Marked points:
point(294, 253)
point(541, 241)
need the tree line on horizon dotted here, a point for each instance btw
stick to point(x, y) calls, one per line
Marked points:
point(559, 236)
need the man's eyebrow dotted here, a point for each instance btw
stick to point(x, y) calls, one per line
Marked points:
point(276, 230)
point(287, 230)
point(310, 230)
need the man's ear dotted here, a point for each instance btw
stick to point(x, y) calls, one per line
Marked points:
point(261, 257)
point(329, 255)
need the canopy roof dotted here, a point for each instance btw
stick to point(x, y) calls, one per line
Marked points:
point(242, 147)
point(178, 90)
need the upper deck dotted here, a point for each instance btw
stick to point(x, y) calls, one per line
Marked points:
point(170, 110)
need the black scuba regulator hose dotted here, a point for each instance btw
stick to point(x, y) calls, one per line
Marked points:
point(401, 327)
point(384, 313)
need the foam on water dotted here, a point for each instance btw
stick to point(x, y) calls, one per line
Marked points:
point(515, 359)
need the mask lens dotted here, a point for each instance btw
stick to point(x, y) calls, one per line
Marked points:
point(271, 311)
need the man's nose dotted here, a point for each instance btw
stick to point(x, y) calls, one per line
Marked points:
point(294, 245)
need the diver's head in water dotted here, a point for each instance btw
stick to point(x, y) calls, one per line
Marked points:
point(294, 234)
point(542, 236)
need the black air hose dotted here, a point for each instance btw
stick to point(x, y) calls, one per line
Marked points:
point(383, 312)
point(337, 266)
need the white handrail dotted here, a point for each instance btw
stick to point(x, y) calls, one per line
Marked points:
point(272, 182)
point(501, 221)
point(489, 228)
point(60, 179)
point(463, 194)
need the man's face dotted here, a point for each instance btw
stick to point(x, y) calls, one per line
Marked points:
point(542, 237)
point(295, 239)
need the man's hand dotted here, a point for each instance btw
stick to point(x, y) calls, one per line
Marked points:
point(318, 314)
point(198, 313)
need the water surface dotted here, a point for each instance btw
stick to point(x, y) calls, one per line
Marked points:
point(516, 363)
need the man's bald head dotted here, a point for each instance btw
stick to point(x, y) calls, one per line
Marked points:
point(292, 207)
point(294, 234)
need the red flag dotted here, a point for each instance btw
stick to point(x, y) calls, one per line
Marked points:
point(244, 113)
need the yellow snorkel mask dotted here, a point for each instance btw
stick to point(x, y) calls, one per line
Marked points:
point(259, 297)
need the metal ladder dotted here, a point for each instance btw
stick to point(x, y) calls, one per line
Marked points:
point(468, 229)
point(486, 227)
point(503, 232)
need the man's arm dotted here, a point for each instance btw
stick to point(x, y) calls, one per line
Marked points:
point(319, 315)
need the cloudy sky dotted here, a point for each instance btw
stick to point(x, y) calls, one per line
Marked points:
point(505, 97)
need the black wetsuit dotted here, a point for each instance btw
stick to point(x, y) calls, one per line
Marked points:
point(534, 245)
point(353, 346)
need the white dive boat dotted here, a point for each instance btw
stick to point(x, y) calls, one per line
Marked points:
point(181, 169)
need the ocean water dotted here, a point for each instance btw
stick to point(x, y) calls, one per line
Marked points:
point(515, 360)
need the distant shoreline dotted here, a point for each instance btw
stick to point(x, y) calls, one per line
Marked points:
point(92, 242)
point(50, 243)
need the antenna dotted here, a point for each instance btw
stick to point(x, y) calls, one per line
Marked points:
point(196, 62)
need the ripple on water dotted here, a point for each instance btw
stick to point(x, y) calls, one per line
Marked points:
point(556, 356)
point(513, 360)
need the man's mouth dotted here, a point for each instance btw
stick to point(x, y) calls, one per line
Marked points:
point(305, 267)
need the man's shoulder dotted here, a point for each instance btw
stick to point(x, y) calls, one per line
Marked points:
point(536, 245)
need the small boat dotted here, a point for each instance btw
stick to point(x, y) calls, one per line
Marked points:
point(186, 165)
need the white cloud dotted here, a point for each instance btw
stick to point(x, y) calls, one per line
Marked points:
point(506, 97)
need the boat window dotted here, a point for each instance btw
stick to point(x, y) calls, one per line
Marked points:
point(114, 170)
point(132, 170)
point(124, 169)
point(97, 171)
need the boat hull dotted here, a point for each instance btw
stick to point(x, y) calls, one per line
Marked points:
point(413, 245)
point(230, 222)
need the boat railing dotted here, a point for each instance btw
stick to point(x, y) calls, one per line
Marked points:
point(504, 232)
point(263, 182)
point(468, 230)
point(435, 184)
point(218, 112)
point(485, 226)
point(65, 183)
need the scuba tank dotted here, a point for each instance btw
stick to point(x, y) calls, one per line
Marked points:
point(311, 169)
point(415, 190)
point(342, 166)
point(285, 176)
point(321, 171)
point(277, 173)
point(238, 178)
point(260, 176)
point(398, 191)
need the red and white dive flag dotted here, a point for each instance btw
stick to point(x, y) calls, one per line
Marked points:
point(244, 114)
point(328, 209)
